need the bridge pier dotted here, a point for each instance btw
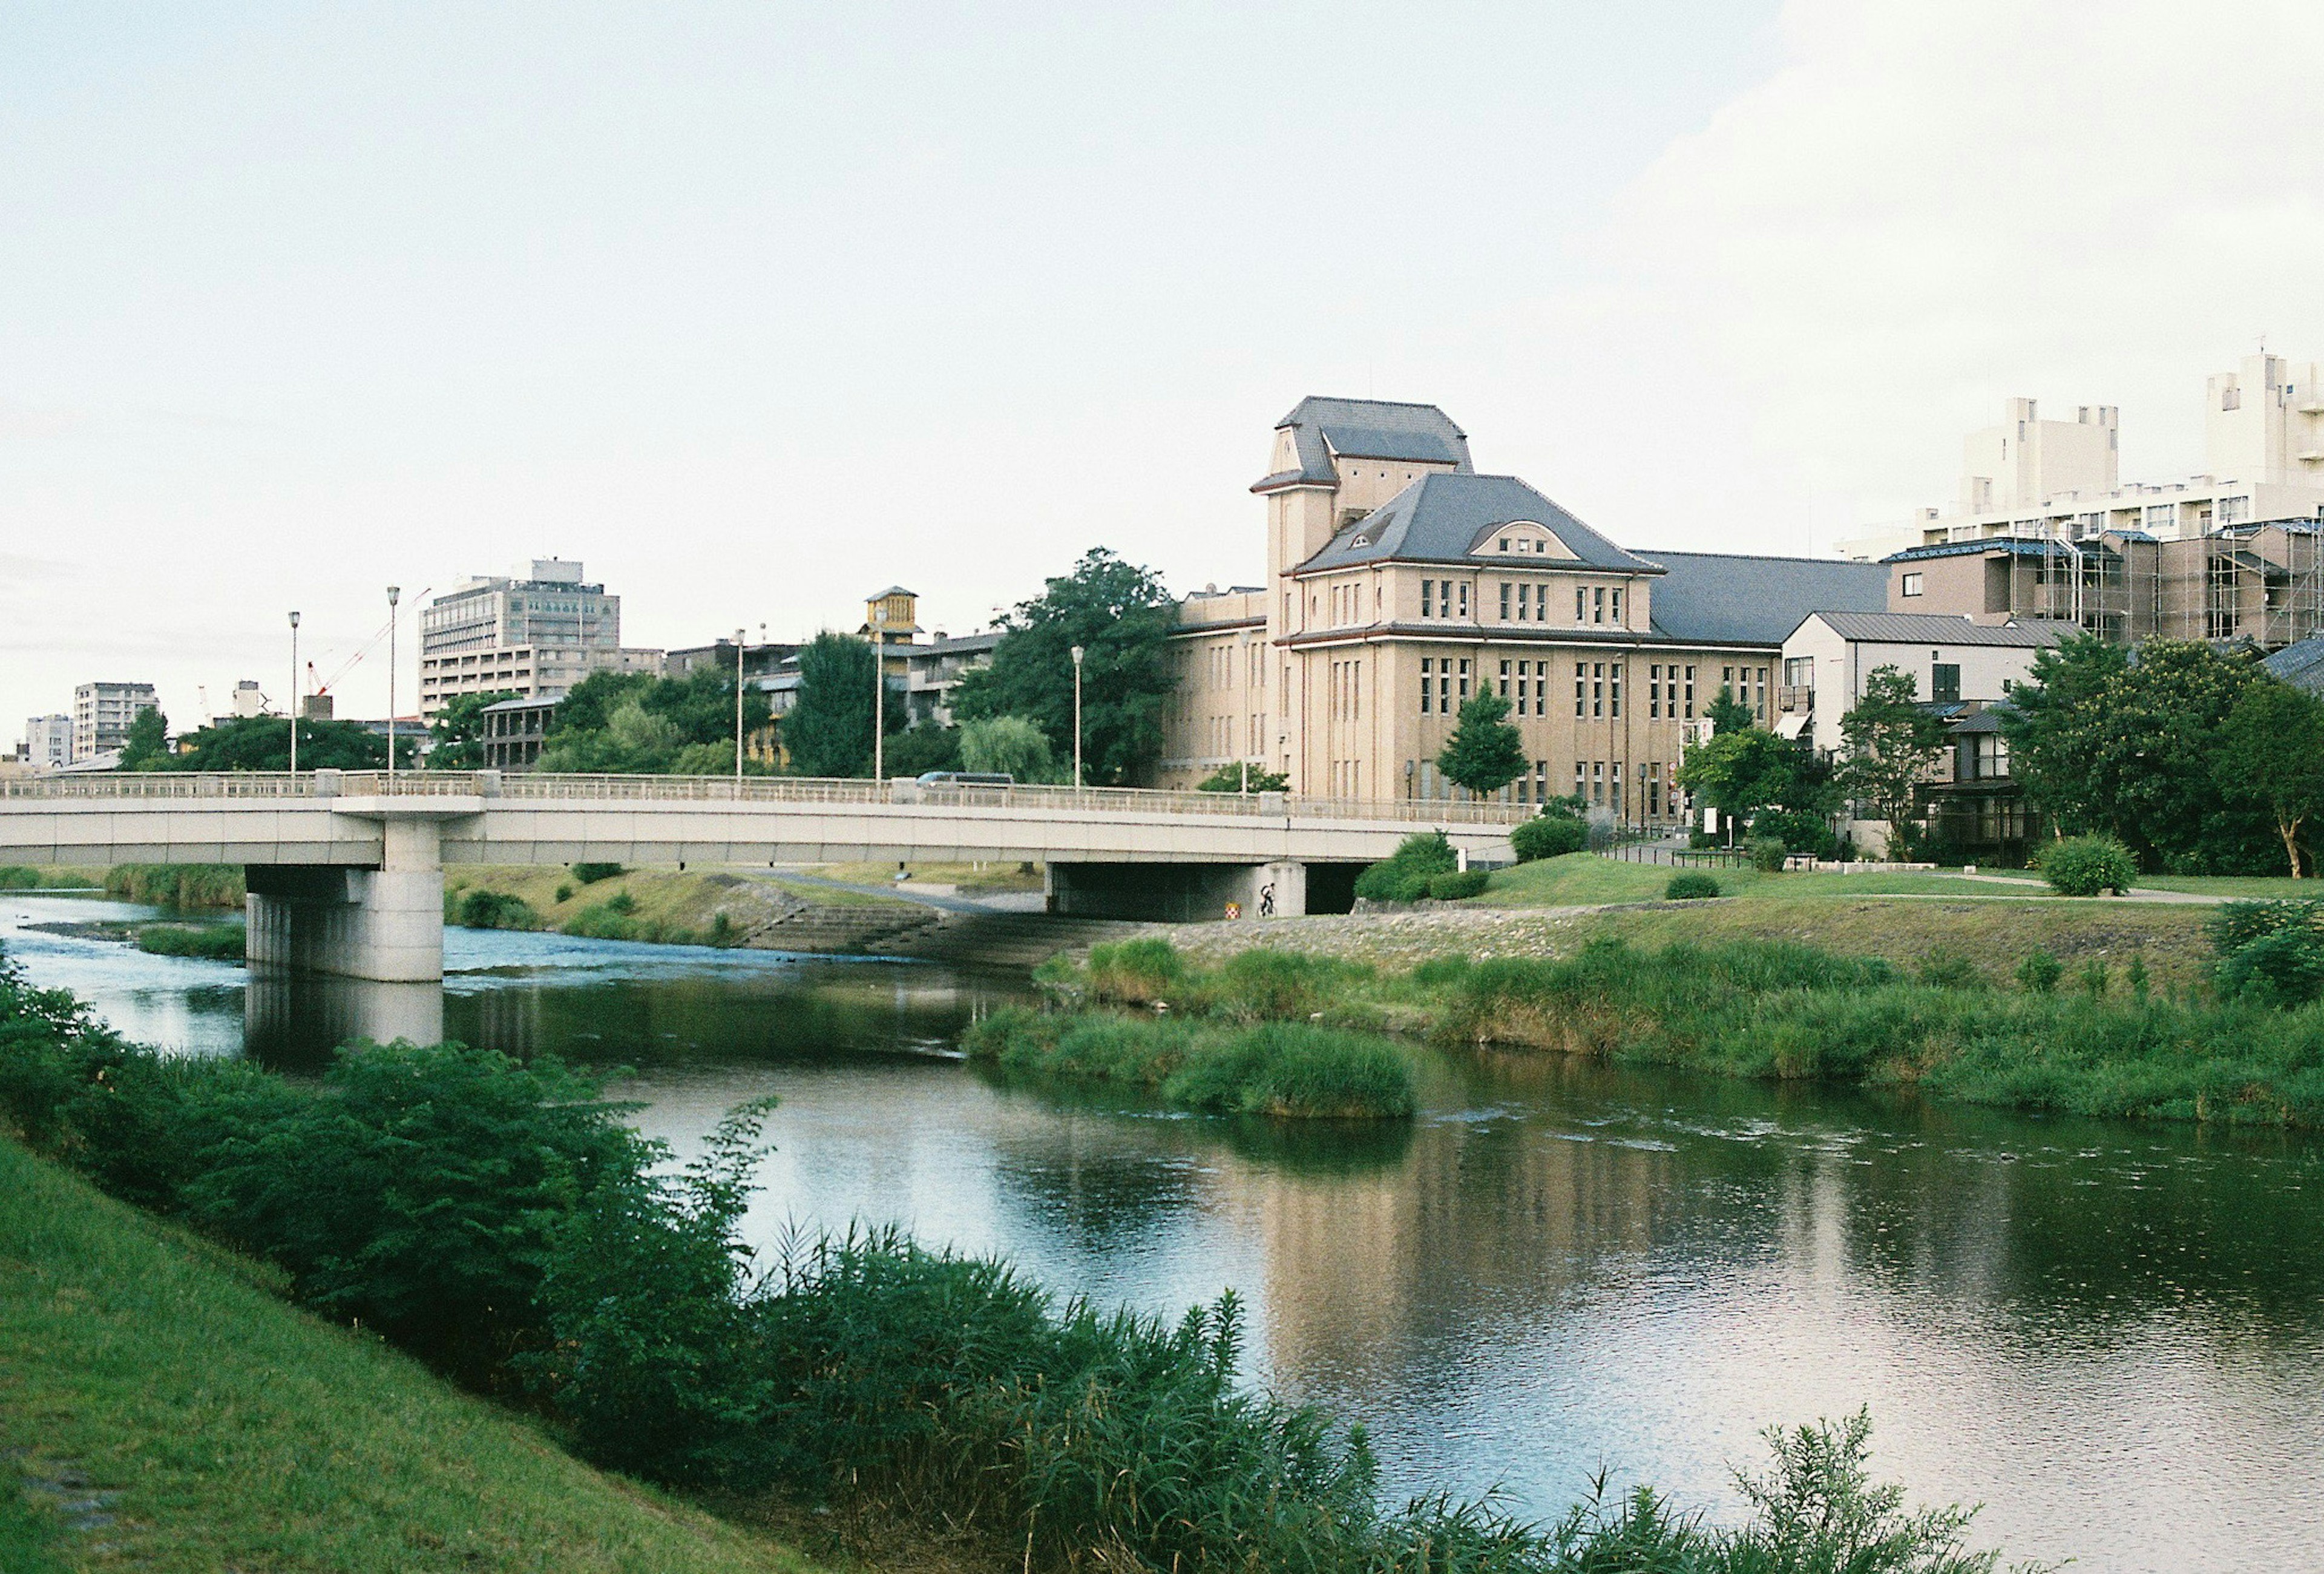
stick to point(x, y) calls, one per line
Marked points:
point(1185, 892)
point(385, 924)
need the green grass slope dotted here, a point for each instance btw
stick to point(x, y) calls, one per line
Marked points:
point(229, 1431)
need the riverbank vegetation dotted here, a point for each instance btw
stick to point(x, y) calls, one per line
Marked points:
point(2241, 1040)
point(1291, 1070)
point(502, 1222)
point(216, 942)
point(176, 884)
point(715, 907)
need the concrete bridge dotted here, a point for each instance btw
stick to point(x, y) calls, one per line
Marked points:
point(346, 870)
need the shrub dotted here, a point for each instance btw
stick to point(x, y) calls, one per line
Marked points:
point(1548, 835)
point(2094, 978)
point(2236, 925)
point(2039, 973)
point(604, 921)
point(2083, 866)
point(622, 902)
point(2285, 967)
point(16, 877)
point(1690, 887)
point(1946, 969)
point(1798, 830)
point(1767, 854)
point(1403, 875)
point(589, 874)
point(483, 910)
point(1458, 885)
point(722, 933)
point(1263, 985)
point(564, 894)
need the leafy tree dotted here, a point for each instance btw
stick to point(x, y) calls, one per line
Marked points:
point(148, 743)
point(1010, 745)
point(1727, 714)
point(1484, 753)
point(1240, 779)
point(1893, 745)
point(829, 729)
point(2122, 744)
point(458, 732)
point(263, 744)
point(2271, 749)
point(635, 722)
point(1123, 618)
point(923, 748)
point(1741, 771)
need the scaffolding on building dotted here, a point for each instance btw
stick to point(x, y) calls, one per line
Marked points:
point(2261, 584)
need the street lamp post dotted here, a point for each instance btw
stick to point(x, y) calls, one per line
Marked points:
point(738, 711)
point(879, 695)
point(394, 593)
point(1077, 718)
point(294, 693)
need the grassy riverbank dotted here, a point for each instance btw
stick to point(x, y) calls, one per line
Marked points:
point(2091, 1039)
point(499, 1222)
point(221, 1429)
point(671, 907)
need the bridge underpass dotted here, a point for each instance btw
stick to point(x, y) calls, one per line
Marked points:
point(346, 870)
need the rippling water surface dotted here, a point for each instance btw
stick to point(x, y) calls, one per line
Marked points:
point(2111, 1334)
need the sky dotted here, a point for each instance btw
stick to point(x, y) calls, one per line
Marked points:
point(757, 308)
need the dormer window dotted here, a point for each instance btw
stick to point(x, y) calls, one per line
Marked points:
point(1361, 541)
point(1505, 543)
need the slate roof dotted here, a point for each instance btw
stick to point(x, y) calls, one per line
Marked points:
point(1365, 428)
point(2300, 665)
point(1723, 599)
point(1442, 519)
point(1940, 629)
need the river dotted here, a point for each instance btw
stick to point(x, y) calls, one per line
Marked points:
point(2111, 1334)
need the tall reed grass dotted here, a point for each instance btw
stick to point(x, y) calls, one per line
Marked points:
point(176, 884)
point(1289, 1069)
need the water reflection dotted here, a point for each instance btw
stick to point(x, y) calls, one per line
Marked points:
point(2112, 1334)
point(294, 1020)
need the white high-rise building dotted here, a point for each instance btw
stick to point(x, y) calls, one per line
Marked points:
point(2263, 442)
point(102, 712)
point(48, 741)
point(535, 637)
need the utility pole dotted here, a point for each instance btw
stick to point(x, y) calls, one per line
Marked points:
point(1077, 718)
point(294, 693)
point(393, 595)
point(738, 711)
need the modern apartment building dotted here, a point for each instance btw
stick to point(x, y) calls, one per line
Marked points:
point(534, 636)
point(1400, 581)
point(2033, 479)
point(48, 742)
point(102, 712)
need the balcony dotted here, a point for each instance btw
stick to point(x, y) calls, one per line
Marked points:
point(1798, 697)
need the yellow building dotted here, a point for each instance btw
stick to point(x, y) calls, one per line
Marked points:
point(1400, 581)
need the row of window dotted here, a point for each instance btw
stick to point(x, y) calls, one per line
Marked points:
point(1597, 687)
point(1220, 664)
point(1521, 602)
point(1347, 694)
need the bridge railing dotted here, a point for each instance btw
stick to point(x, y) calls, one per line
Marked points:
point(537, 788)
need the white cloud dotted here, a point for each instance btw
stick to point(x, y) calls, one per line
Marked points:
point(1928, 208)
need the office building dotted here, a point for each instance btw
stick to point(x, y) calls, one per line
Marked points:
point(533, 637)
point(102, 714)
